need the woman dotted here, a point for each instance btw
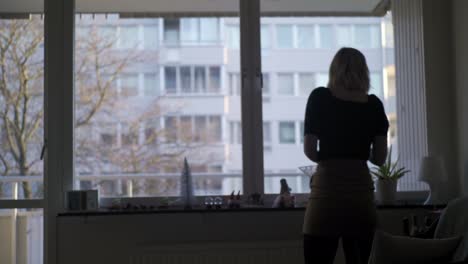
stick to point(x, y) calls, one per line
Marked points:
point(344, 128)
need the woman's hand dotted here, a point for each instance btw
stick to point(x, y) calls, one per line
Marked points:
point(310, 147)
point(379, 150)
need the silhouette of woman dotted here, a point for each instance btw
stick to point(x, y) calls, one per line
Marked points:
point(344, 128)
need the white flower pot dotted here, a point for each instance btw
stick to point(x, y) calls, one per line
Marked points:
point(386, 191)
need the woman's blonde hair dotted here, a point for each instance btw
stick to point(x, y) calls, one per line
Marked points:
point(349, 71)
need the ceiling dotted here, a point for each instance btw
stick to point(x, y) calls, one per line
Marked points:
point(209, 7)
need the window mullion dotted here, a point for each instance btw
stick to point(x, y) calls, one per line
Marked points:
point(251, 97)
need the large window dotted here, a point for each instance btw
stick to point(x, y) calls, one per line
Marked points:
point(141, 108)
point(314, 40)
point(22, 138)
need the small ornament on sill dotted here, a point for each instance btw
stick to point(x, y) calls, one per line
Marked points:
point(284, 199)
point(234, 201)
point(186, 187)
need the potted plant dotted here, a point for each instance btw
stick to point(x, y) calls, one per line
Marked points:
point(387, 177)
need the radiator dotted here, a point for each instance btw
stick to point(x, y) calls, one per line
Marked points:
point(261, 252)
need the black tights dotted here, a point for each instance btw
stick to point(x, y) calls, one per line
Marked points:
point(322, 249)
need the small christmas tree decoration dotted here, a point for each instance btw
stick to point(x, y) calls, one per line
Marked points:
point(186, 187)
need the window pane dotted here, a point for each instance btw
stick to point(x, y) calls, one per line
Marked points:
point(214, 126)
point(363, 37)
point(326, 37)
point(151, 36)
point(234, 84)
point(284, 36)
point(287, 133)
point(306, 83)
point(129, 85)
point(22, 233)
point(131, 143)
point(189, 28)
point(233, 37)
point(185, 131)
point(267, 133)
point(171, 31)
point(170, 80)
point(307, 68)
point(200, 128)
point(305, 37)
point(129, 133)
point(107, 35)
point(129, 37)
point(170, 125)
point(152, 131)
point(185, 79)
point(21, 108)
point(265, 37)
point(285, 84)
point(343, 36)
point(266, 84)
point(209, 29)
point(200, 79)
point(215, 79)
point(151, 84)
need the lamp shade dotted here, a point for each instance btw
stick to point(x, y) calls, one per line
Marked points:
point(432, 170)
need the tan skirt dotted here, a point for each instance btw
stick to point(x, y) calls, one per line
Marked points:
point(341, 200)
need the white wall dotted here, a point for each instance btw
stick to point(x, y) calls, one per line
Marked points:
point(440, 94)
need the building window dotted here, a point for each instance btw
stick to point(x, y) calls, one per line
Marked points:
point(284, 37)
point(108, 134)
point(305, 37)
point(266, 84)
point(171, 31)
point(233, 36)
point(150, 36)
point(287, 133)
point(235, 130)
point(326, 37)
point(344, 36)
point(151, 131)
point(170, 126)
point(209, 29)
point(267, 133)
point(306, 83)
point(186, 79)
point(199, 30)
point(129, 85)
point(367, 36)
point(265, 36)
point(200, 79)
point(128, 37)
point(108, 35)
point(214, 80)
point(215, 129)
point(151, 83)
point(129, 134)
point(285, 84)
point(170, 80)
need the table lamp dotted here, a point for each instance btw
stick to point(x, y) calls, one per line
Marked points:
point(432, 172)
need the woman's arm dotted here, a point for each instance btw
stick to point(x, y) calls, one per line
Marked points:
point(379, 150)
point(310, 147)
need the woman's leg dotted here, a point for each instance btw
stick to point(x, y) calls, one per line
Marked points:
point(320, 249)
point(357, 249)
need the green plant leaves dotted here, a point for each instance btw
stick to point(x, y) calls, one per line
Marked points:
point(389, 170)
